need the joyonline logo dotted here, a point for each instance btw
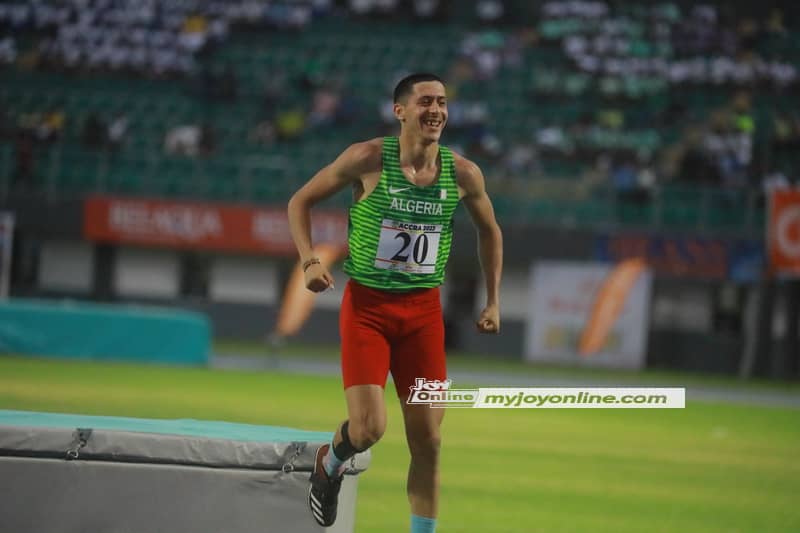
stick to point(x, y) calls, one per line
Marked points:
point(436, 393)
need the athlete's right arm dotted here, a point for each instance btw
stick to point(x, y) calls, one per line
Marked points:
point(357, 160)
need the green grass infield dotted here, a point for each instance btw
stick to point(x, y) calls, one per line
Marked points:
point(708, 467)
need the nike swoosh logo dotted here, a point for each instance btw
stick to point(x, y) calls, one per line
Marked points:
point(395, 190)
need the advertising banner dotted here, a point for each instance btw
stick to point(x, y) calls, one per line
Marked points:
point(588, 314)
point(700, 258)
point(204, 226)
point(783, 232)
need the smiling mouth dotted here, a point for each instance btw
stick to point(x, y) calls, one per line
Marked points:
point(433, 123)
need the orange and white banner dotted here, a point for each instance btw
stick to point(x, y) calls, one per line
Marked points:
point(608, 305)
point(783, 232)
point(206, 226)
point(589, 314)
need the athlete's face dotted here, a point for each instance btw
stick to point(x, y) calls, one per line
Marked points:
point(424, 112)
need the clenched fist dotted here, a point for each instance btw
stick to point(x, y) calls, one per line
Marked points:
point(318, 278)
point(489, 321)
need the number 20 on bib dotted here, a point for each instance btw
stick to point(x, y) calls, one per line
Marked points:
point(408, 247)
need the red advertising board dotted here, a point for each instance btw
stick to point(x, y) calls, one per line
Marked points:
point(783, 232)
point(203, 226)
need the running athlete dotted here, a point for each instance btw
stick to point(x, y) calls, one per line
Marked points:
point(405, 191)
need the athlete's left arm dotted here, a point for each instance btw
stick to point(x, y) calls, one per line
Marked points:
point(472, 189)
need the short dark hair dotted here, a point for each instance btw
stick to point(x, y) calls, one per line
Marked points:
point(406, 86)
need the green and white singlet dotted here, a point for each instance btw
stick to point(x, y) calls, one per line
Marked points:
point(400, 235)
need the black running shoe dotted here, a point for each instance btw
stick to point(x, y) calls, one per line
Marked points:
point(323, 495)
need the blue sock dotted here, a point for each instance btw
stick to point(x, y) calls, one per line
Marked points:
point(420, 524)
point(332, 463)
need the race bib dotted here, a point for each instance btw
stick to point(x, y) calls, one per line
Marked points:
point(408, 247)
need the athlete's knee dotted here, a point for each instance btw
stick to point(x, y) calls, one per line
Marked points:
point(425, 443)
point(366, 431)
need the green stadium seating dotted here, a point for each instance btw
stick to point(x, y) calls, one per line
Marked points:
point(545, 90)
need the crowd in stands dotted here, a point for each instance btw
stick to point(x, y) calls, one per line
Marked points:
point(624, 95)
point(692, 47)
point(160, 38)
point(641, 61)
point(486, 12)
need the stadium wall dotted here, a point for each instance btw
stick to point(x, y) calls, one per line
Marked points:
point(240, 293)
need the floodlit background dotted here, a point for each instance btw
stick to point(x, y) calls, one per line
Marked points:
point(148, 149)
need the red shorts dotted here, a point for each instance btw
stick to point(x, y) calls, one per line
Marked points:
point(382, 331)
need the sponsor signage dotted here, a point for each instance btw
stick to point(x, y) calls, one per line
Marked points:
point(783, 232)
point(205, 226)
point(690, 257)
point(588, 314)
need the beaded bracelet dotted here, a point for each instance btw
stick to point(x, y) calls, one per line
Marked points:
point(308, 263)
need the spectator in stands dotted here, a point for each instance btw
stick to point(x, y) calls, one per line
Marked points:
point(485, 51)
point(42, 127)
point(624, 175)
point(490, 12)
point(194, 33)
point(696, 33)
point(166, 63)
point(730, 146)
point(485, 145)
point(183, 140)
point(373, 8)
point(521, 161)
point(52, 125)
point(290, 124)
point(298, 17)
point(774, 181)
point(430, 11)
point(217, 31)
point(8, 50)
point(325, 106)
point(632, 182)
point(117, 131)
point(191, 140)
point(553, 138)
